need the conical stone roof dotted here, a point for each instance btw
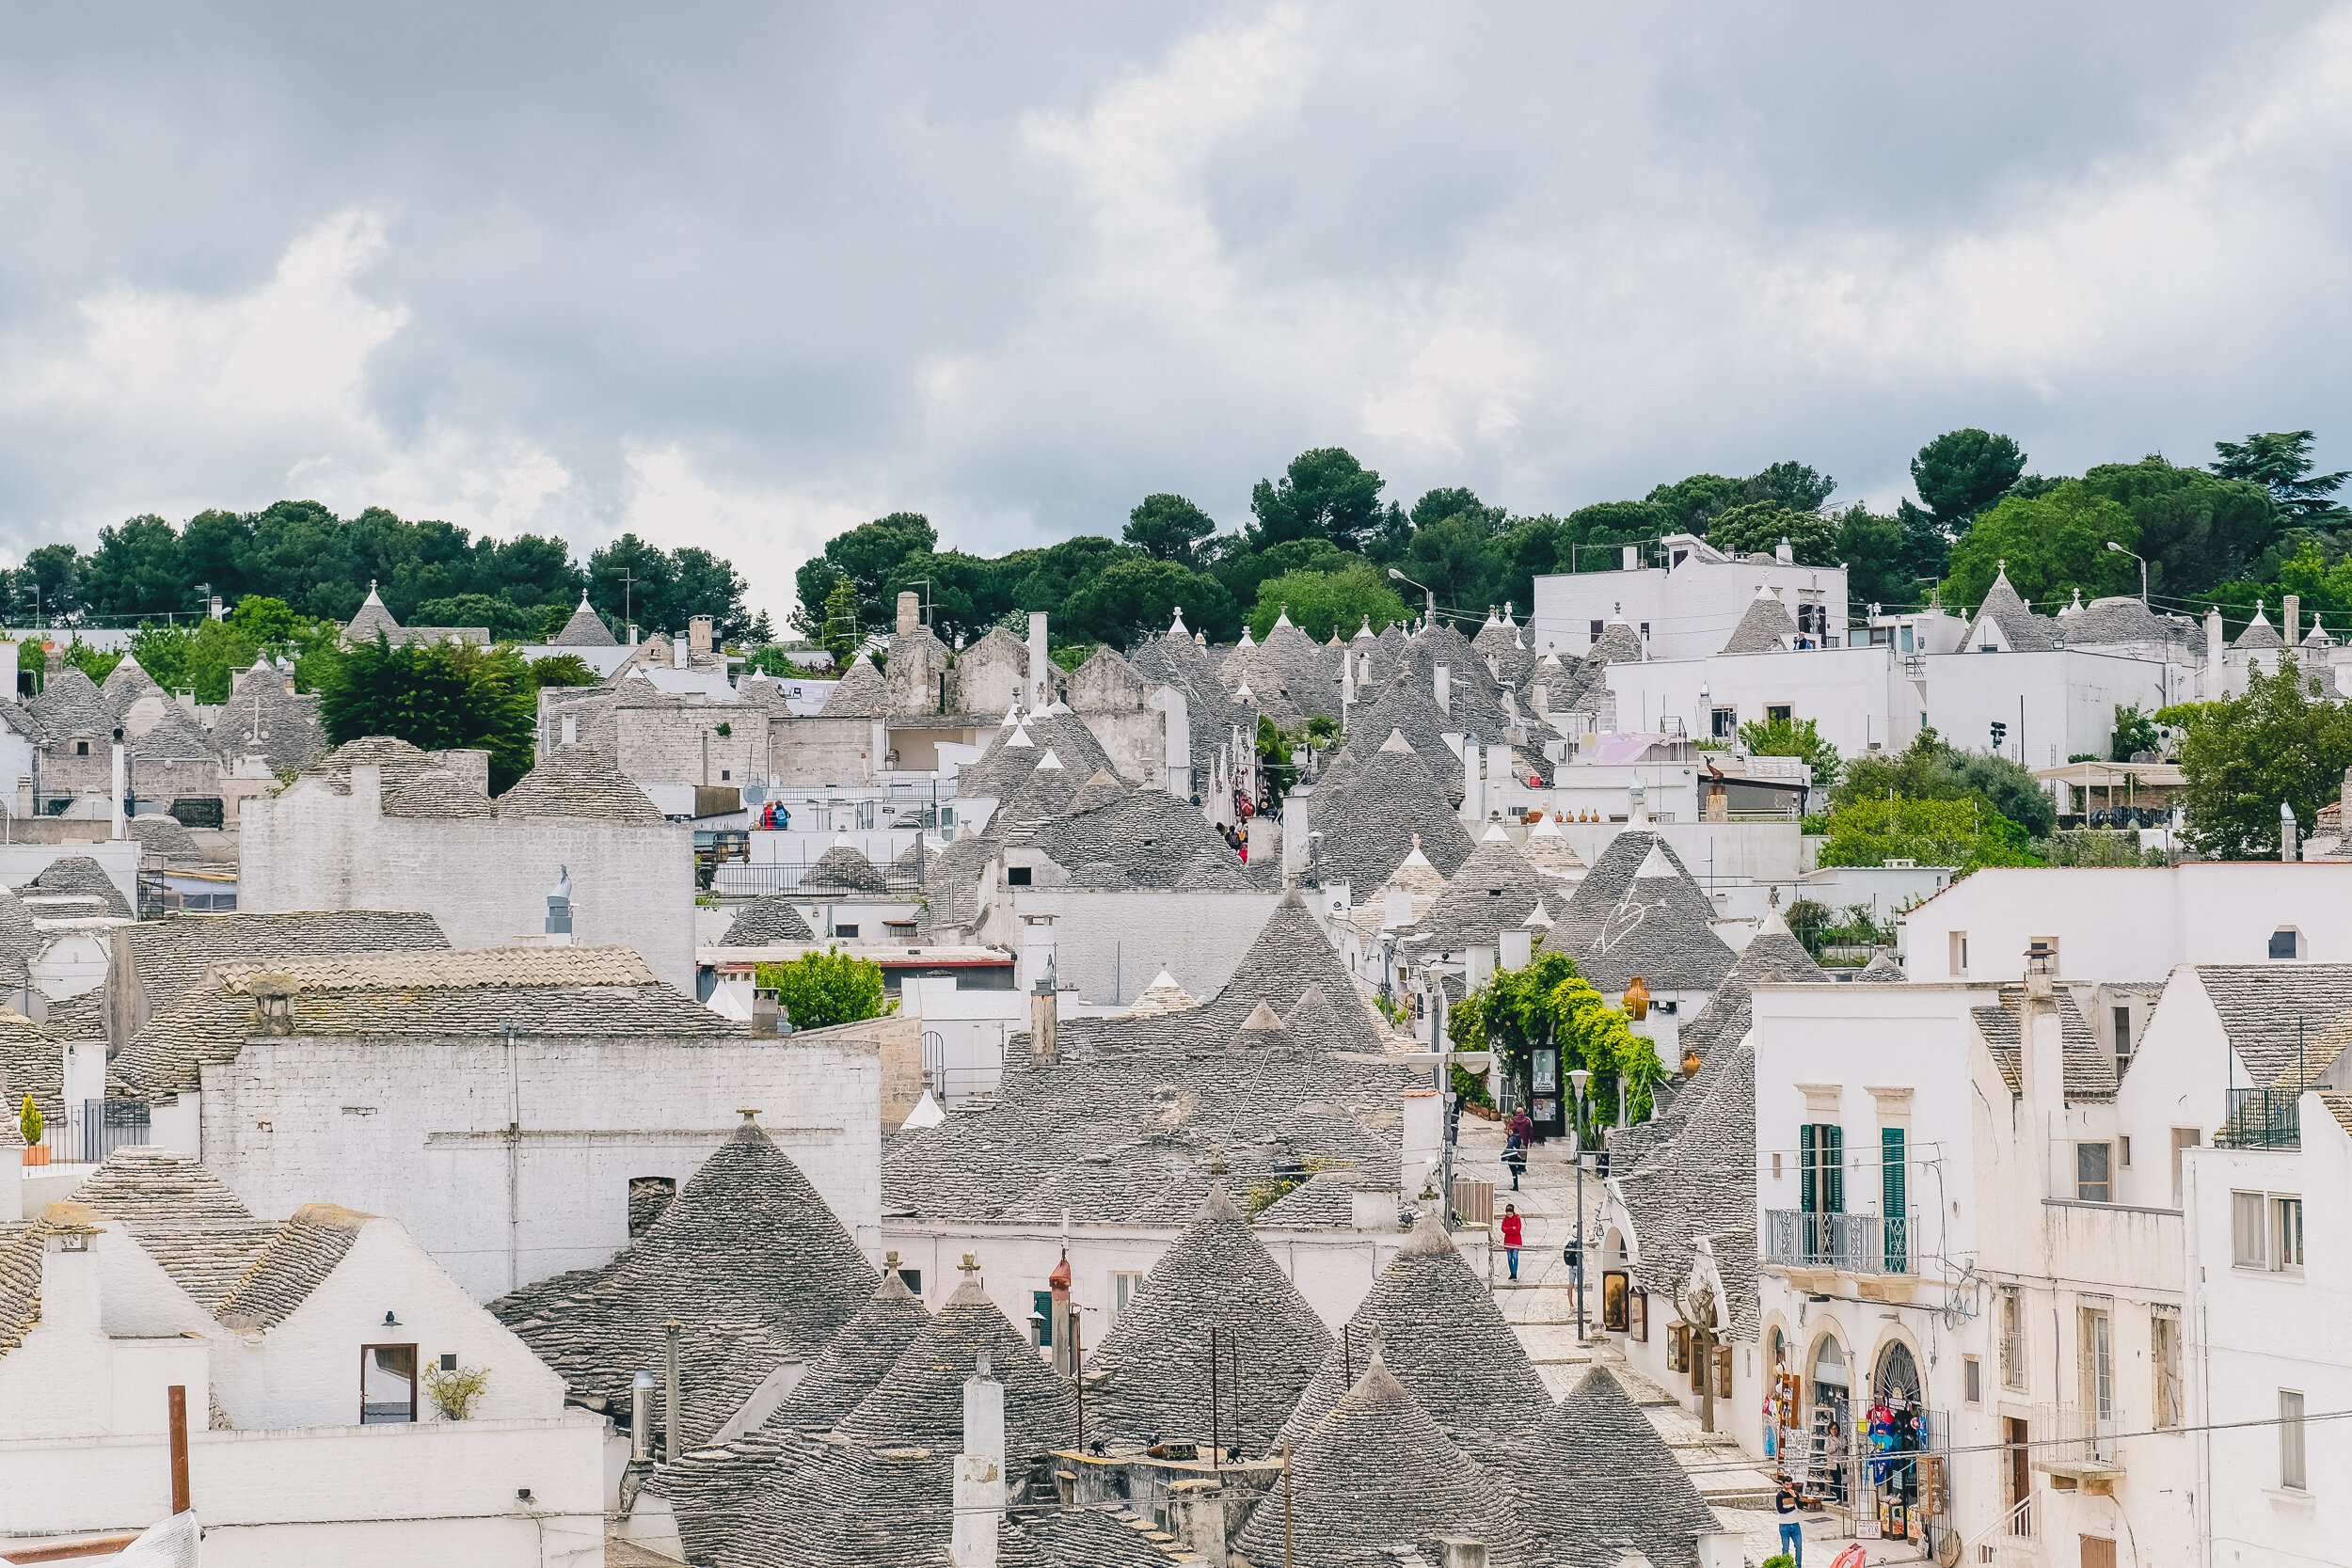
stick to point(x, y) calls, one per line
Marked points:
point(843, 868)
point(919, 1401)
point(860, 690)
point(1774, 949)
point(771, 919)
point(1377, 1474)
point(1882, 969)
point(1764, 628)
point(1638, 913)
point(1289, 955)
point(1149, 1377)
point(585, 630)
point(1494, 891)
point(1549, 852)
point(1369, 826)
point(1443, 1337)
point(1602, 1482)
point(747, 1258)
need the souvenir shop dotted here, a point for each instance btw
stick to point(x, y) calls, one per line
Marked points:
point(1862, 1445)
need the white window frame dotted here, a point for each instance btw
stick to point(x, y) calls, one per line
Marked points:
point(2249, 1229)
point(1956, 955)
point(2294, 1473)
point(2286, 1232)
point(1125, 1285)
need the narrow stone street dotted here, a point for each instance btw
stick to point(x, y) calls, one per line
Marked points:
point(1541, 1308)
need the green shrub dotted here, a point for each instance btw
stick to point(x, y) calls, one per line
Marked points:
point(820, 989)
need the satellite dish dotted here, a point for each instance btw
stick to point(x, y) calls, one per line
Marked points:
point(754, 794)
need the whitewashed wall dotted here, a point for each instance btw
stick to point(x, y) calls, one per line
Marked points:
point(419, 1131)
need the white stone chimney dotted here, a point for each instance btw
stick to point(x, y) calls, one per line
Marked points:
point(698, 634)
point(1396, 910)
point(1372, 1209)
point(1473, 784)
point(1445, 687)
point(1481, 963)
point(1519, 947)
point(1498, 765)
point(69, 1273)
point(2291, 620)
point(980, 1497)
point(2215, 688)
point(2041, 1063)
point(1041, 660)
point(910, 613)
point(677, 652)
point(1424, 1136)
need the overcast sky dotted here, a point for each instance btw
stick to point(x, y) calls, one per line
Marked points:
point(742, 277)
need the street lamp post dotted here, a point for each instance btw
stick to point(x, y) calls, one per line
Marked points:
point(2143, 569)
point(1576, 1080)
point(1429, 595)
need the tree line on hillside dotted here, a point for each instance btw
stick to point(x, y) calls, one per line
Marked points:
point(318, 565)
point(2253, 525)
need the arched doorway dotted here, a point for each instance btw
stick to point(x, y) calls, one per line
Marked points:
point(1895, 1434)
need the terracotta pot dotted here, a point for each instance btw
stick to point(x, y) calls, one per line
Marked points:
point(37, 1155)
point(1482, 1113)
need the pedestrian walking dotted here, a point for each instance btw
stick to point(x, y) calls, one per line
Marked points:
point(1792, 1527)
point(1515, 1158)
point(1513, 1229)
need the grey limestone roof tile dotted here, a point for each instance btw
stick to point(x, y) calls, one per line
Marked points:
point(578, 781)
point(844, 869)
point(1324, 1201)
point(774, 918)
point(1369, 824)
point(70, 708)
point(1882, 969)
point(2280, 1017)
point(398, 759)
point(1763, 626)
point(297, 1259)
point(1443, 1337)
point(1150, 1377)
point(591, 992)
point(437, 792)
point(1638, 911)
point(1494, 890)
point(1380, 1470)
point(2102, 622)
point(747, 1258)
point(164, 836)
point(2021, 628)
point(2089, 1070)
point(1603, 1482)
point(585, 630)
point(372, 618)
point(79, 874)
point(1701, 1182)
point(1290, 667)
point(2259, 633)
point(861, 690)
point(1145, 837)
point(170, 955)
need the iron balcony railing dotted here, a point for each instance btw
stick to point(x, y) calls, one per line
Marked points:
point(89, 1131)
point(2263, 1118)
point(1850, 1243)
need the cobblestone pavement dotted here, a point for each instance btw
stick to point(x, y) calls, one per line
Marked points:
point(1541, 1308)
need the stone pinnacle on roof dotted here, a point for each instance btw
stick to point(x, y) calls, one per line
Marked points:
point(1365, 633)
point(2259, 633)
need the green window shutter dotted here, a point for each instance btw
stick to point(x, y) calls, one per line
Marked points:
point(1833, 1169)
point(1042, 1303)
point(1894, 1201)
point(1808, 1152)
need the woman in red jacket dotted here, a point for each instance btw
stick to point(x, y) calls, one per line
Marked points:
point(1511, 1233)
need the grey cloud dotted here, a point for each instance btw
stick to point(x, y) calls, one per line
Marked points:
point(990, 264)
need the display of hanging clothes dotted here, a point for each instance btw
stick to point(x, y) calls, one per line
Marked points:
point(1881, 1439)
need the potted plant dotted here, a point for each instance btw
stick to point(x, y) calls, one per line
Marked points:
point(29, 1123)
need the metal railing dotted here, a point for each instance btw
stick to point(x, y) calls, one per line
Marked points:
point(2070, 1435)
point(2263, 1118)
point(745, 879)
point(89, 1132)
point(1850, 1243)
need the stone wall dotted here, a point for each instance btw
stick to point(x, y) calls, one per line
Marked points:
point(485, 881)
point(1111, 946)
point(819, 750)
point(419, 1130)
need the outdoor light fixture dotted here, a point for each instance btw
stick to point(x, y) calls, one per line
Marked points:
point(390, 1322)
